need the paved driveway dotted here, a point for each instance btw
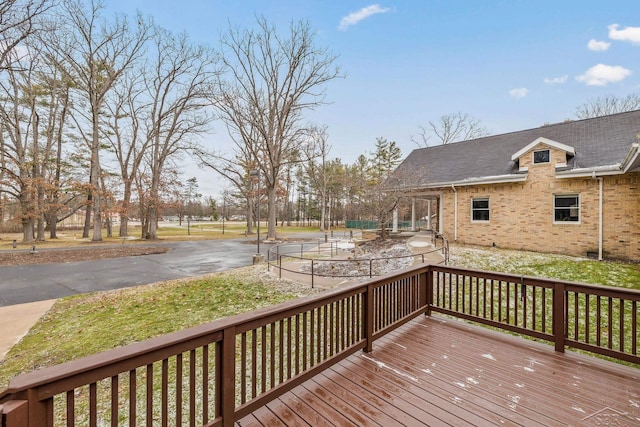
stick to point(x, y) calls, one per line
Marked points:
point(38, 282)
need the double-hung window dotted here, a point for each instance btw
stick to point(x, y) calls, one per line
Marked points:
point(566, 208)
point(480, 209)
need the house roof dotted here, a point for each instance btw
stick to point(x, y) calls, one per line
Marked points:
point(604, 145)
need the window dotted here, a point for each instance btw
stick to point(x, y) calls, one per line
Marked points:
point(480, 209)
point(566, 208)
point(541, 156)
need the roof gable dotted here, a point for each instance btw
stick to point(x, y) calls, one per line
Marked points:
point(546, 141)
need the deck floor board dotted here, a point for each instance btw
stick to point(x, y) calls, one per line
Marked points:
point(435, 371)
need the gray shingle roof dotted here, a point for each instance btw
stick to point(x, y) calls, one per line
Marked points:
point(598, 142)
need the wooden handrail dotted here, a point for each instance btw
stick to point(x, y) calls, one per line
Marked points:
point(218, 372)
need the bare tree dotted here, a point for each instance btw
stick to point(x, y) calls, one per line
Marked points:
point(273, 79)
point(125, 134)
point(235, 169)
point(17, 23)
point(96, 53)
point(451, 128)
point(608, 104)
point(20, 124)
point(179, 84)
point(315, 165)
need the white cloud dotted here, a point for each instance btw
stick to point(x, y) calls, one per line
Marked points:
point(628, 34)
point(354, 17)
point(598, 46)
point(556, 80)
point(602, 75)
point(519, 92)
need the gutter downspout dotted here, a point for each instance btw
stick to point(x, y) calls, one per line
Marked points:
point(600, 222)
point(455, 212)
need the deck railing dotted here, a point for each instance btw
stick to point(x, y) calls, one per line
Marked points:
point(214, 374)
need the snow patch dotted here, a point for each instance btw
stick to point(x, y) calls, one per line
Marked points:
point(383, 365)
point(418, 244)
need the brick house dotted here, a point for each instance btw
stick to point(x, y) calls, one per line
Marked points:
point(571, 187)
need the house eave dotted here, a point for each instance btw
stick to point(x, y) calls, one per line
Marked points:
point(630, 162)
point(485, 180)
point(591, 172)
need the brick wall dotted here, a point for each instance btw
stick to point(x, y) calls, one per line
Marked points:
point(522, 214)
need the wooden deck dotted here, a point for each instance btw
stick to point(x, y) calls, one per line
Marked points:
point(440, 372)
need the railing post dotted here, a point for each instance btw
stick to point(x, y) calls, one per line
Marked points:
point(371, 268)
point(427, 278)
point(14, 413)
point(40, 411)
point(367, 322)
point(279, 265)
point(228, 372)
point(312, 274)
point(559, 303)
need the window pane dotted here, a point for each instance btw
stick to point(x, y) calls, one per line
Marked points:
point(481, 215)
point(541, 156)
point(480, 203)
point(480, 209)
point(567, 208)
point(566, 201)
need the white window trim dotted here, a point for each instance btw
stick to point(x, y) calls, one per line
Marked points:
point(481, 221)
point(579, 209)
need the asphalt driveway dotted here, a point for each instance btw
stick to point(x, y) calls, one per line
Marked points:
point(38, 282)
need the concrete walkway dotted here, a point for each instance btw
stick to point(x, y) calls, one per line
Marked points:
point(418, 243)
point(17, 320)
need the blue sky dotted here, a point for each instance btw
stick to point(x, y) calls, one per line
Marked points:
point(510, 64)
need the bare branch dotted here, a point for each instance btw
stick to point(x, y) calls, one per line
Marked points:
point(451, 128)
point(608, 104)
point(273, 80)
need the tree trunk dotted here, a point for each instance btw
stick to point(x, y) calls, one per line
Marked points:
point(52, 221)
point(250, 215)
point(87, 217)
point(41, 212)
point(124, 212)
point(271, 204)
point(27, 231)
point(95, 189)
point(152, 212)
point(109, 228)
point(152, 223)
point(124, 226)
point(323, 212)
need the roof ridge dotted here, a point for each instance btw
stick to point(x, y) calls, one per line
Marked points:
point(545, 126)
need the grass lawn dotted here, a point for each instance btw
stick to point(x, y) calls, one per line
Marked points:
point(168, 231)
point(623, 275)
point(86, 324)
